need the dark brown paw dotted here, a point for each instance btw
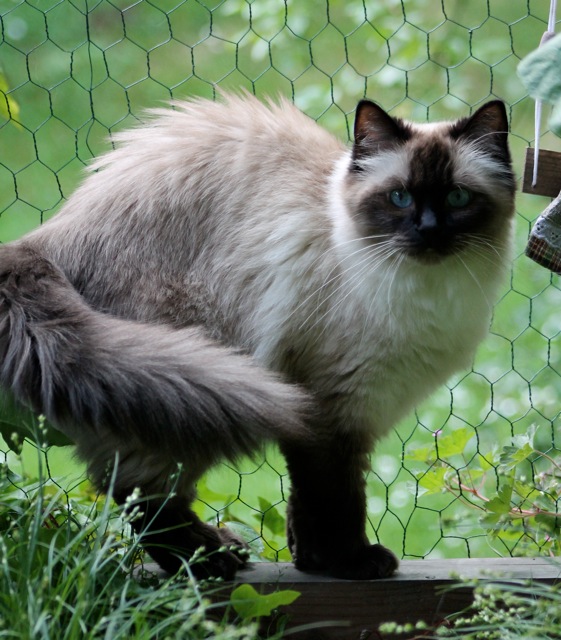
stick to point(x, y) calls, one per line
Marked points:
point(209, 564)
point(371, 563)
point(208, 552)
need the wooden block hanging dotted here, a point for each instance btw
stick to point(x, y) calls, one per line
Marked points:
point(549, 173)
point(544, 243)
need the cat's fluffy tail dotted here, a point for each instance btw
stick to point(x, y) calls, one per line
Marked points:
point(93, 375)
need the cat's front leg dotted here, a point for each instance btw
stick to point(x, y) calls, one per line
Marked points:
point(327, 511)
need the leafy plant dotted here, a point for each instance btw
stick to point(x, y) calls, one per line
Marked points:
point(516, 489)
point(512, 610)
point(249, 604)
point(509, 610)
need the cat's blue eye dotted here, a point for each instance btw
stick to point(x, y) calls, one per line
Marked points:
point(401, 198)
point(458, 197)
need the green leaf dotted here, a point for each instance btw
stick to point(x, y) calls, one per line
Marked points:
point(415, 488)
point(545, 501)
point(490, 521)
point(525, 438)
point(433, 480)
point(455, 443)
point(540, 71)
point(250, 604)
point(501, 504)
point(513, 456)
point(271, 517)
point(421, 454)
point(522, 447)
point(283, 555)
point(14, 435)
point(551, 524)
point(249, 536)
point(9, 108)
point(18, 423)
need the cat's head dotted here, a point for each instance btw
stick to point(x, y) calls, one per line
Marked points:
point(431, 190)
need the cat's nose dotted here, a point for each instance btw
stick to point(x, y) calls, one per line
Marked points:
point(427, 225)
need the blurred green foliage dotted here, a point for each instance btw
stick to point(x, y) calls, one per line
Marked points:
point(75, 71)
point(515, 490)
point(540, 71)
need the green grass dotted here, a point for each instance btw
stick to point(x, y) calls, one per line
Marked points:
point(69, 569)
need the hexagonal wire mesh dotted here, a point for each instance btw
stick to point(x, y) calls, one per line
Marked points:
point(73, 72)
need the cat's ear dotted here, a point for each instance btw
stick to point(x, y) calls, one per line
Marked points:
point(375, 131)
point(487, 126)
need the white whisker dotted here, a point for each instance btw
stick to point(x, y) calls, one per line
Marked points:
point(394, 271)
point(475, 279)
point(332, 278)
point(367, 265)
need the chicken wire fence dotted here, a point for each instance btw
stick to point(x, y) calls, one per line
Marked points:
point(475, 471)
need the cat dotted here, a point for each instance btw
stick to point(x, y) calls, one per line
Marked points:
point(232, 274)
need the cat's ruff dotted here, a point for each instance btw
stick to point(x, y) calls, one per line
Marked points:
point(354, 282)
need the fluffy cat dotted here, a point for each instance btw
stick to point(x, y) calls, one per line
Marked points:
point(230, 274)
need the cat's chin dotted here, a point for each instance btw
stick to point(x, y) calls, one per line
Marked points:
point(429, 256)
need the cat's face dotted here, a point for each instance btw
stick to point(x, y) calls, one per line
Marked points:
point(431, 190)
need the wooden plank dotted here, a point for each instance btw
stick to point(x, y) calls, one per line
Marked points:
point(549, 173)
point(333, 609)
point(355, 609)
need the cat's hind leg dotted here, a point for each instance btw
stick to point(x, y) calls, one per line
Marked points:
point(154, 395)
point(156, 494)
point(171, 532)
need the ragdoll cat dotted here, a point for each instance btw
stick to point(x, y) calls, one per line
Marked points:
point(232, 274)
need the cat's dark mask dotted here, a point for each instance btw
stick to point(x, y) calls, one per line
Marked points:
point(442, 192)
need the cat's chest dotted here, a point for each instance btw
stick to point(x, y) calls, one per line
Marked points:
point(399, 346)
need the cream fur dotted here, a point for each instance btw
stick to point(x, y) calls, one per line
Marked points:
point(242, 210)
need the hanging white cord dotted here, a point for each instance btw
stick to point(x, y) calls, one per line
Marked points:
point(538, 109)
